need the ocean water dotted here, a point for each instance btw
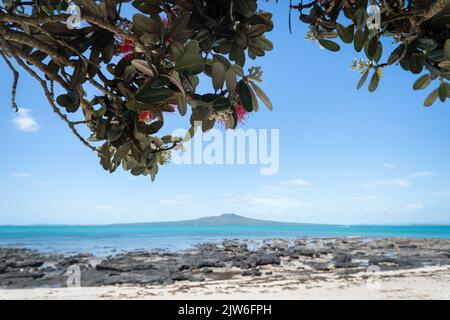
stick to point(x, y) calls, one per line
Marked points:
point(104, 240)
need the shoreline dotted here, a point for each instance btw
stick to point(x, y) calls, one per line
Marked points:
point(330, 268)
point(422, 283)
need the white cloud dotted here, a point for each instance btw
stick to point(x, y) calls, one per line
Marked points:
point(414, 206)
point(422, 174)
point(298, 182)
point(272, 203)
point(22, 175)
point(402, 183)
point(389, 165)
point(23, 121)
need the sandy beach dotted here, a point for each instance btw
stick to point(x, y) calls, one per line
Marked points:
point(422, 283)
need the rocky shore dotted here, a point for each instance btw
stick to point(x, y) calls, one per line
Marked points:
point(230, 259)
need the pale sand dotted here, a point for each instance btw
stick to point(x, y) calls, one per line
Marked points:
point(424, 283)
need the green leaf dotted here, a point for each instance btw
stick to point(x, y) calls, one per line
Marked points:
point(221, 104)
point(190, 133)
point(372, 45)
point(431, 98)
point(192, 47)
point(255, 101)
point(122, 152)
point(218, 75)
point(182, 105)
point(350, 33)
point(139, 106)
point(378, 52)
point(246, 7)
point(360, 18)
point(363, 79)
point(396, 54)
point(105, 156)
point(422, 82)
point(447, 48)
point(114, 133)
point(359, 40)
point(143, 66)
point(329, 45)
point(191, 63)
point(245, 96)
point(147, 6)
point(374, 81)
point(152, 95)
point(346, 34)
point(231, 80)
point(442, 91)
point(145, 24)
point(137, 171)
point(262, 96)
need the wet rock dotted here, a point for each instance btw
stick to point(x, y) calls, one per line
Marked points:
point(307, 252)
point(206, 270)
point(22, 268)
point(320, 266)
point(251, 273)
point(343, 260)
point(376, 260)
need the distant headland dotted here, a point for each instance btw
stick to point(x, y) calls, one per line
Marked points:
point(225, 219)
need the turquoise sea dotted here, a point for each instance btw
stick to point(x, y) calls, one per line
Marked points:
point(107, 239)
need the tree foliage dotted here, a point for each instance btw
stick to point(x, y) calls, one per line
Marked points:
point(123, 73)
point(139, 68)
point(419, 30)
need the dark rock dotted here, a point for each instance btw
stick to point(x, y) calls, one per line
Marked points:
point(307, 252)
point(343, 260)
point(375, 260)
point(251, 273)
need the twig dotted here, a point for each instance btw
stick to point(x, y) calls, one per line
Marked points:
point(32, 42)
point(16, 81)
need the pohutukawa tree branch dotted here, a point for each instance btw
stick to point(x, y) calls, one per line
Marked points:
point(419, 28)
point(123, 76)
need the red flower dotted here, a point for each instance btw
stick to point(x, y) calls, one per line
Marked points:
point(241, 112)
point(146, 116)
point(126, 48)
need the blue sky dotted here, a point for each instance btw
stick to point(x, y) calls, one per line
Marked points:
point(346, 156)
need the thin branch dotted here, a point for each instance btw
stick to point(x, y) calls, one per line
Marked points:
point(10, 17)
point(13, 50)
point(108, 26)
point(33, 42)
point(16, 81)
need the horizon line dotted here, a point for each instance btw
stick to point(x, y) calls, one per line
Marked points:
point(217, 216)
